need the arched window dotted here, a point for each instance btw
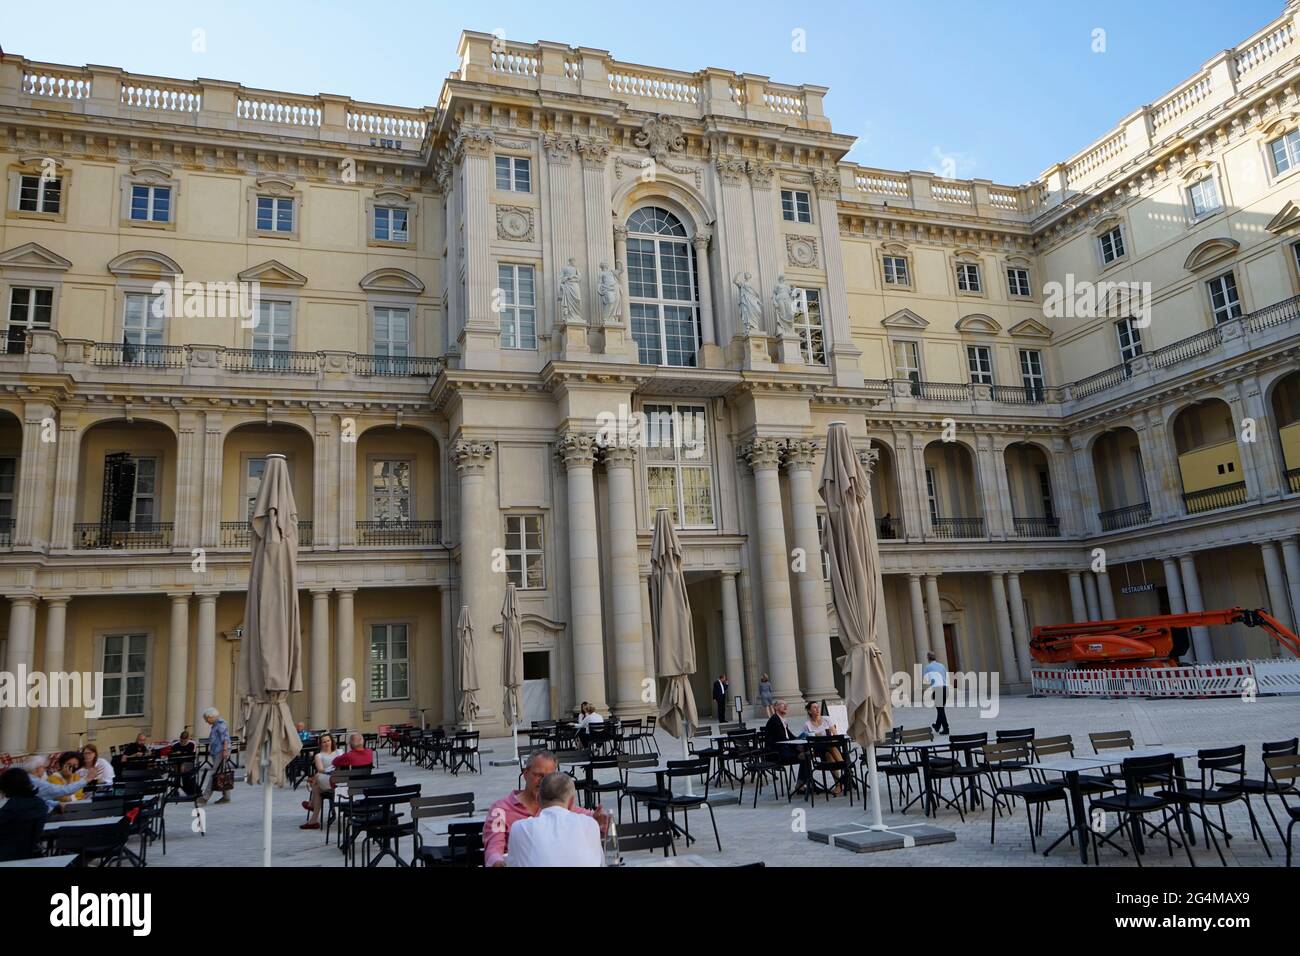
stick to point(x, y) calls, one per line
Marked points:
point(663, 299)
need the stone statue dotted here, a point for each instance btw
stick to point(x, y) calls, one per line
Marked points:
point(610, 289)
point(751, 307)
point(570, 295)
point(786, 299)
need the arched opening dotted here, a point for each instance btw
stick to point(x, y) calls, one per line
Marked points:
point(662, 289)
point(1209, 461)
point(11, 451)
point(1121, 480)
point(243, 463)
point(885, 501)
point(1029, 480)
point(952, 491)
point(397, 488)
point(1286, 412)
point(126, 499)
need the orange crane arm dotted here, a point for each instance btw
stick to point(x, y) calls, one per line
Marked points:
point(1137, 626)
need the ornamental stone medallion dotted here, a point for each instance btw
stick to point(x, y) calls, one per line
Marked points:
point(661, 136)
point(801, 251)
point(515, 223)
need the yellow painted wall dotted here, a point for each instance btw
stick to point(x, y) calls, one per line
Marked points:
point(1201, 469)
point(410, 443)
point(142, 438)
point(256, 440)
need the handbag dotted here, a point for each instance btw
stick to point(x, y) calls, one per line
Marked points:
point(224, 779)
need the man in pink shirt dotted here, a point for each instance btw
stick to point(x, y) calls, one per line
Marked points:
point(520, 804)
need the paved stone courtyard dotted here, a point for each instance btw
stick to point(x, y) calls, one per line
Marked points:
point(772, 833)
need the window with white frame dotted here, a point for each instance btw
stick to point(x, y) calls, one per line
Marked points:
point(144, 500)
point(1224, 302)
point(821, 536)
point(1031, 373)
point(1130, 339)
point(896, 270)
point(390, 491)
point(979, 361)
point(1018, 282)
point(39, 193)
point(151, 203)
point(1045, 494)
point(392, 338)
point(254, 471)
point(8, 480)
point(275, 214)
point(272, 334)
point(142, 328)
point(663, 301)
point(1204, 197)
point(1111, 244)
point(1285, 151)
point(514, 174)
point(518, 306)
point(29, 308)
point(932, 495)
point(391, 224)
point(812, 337)
point(968, 277)
point(124, 665)
point(679, 468)
point(796, 206)
point(390, 662)
point(525, 552)
point(907, 361)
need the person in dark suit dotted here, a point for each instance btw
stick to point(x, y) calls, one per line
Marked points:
point(22, 818)
point(776, 730)
point(720, 697)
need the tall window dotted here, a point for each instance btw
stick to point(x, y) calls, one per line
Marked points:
point(28, 309)
point(392, 332)
point(390, 491)
point(151, 203)
point(275, 213)
point(390, 224)
point(679, 470)
point(1285, 151)
point(1112, 245)
point(142, 328)
point(896, 270)
point(254, 470)
point(1031, 373)
point(812, 338)
point(932, 495)
point(1204, 196)
point(272, 334)
point(795, 206)
point(1018, 281)
point(390, 662)
point(821, 536)
point(125, 660)
point(525, 551)
point(38, 194)
point(979, 360)
point(1045, 494)
point(518, 307)
point(661, 284)
point(144, 501)
point(968, 277)
point(8, 478)
point(1223, 297)
point(907, 362)
point(1130, 339)
point(514, 174)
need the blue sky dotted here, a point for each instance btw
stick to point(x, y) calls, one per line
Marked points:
point(996, 89)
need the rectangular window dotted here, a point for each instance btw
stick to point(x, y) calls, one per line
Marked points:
point(1018, 282)
point(275, 213)
point(144, 500)
point(795, 206)
point(142, 329)
point(1204, 196)
point(907, 361)
point(390, 491)
point(1045, 494)
point(896, 271)
point(1112, 245)
point(821, 536)
point(390, 662)
point(390, 224)
point(28, 309)
point(38, 194)
point(812, 338)
point(254, 469)
point(514, 174)
point(968, 277)
point(525, 552)
point(392, 338)
point(124, 663)
point(518, 307)
point(1286, 151)
point(932, 495)
point(679, 472)
point(1031, 374)
point(1223, 297)
point(979, 361)
point(8, 477)
point(272, 334)
point(151, 203)
point(1130, 339)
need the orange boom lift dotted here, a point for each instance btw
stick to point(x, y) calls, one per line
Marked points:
point(1143, 641)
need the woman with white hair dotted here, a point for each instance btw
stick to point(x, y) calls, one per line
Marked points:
point(218, 754)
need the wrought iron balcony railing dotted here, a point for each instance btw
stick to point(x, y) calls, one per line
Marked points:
point(1126, 517)
point(1212, 499)
point(410, 534)
point(1037, 527)
point(957, 527)
point(122, 535)
point(239, 534)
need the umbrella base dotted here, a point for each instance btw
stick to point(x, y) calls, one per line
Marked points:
point(864, 838)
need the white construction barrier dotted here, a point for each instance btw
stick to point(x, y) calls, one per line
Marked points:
point(1220, 679)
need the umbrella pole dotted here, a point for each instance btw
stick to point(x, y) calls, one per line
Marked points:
point(266, 803)
point(686, 755)
point(873, 781)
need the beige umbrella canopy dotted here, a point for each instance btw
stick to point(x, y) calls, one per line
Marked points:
point(467, 667)
point(670, 617)
point(512, 668)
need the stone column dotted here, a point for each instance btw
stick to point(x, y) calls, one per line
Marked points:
point(178, 665)
point(20, 645)
point(1078, 605)
point(326, 512)
point(1019, 626)
point(844, 353)
point(1279, 604)
point(1107, 596)
point(36, 483)
point(67, 462)
point(1291, 558)
point(347, 661)
point(624, 570)
point(1086, 478)
point(56, 625)
point(765, 457)
point(1093, 599)
point(920, 636)
point(478, 532)
point(732, 650)
point(210, 532)
point(189, 484)
point(1266, 460)
point(320, 691)
point(934, 613)
point(1159, 460)
point(347, 485)
point(1192, 592)
point(1006, 647)
point(205, 658)
point(1174, 586)
point(748, 634)
point(708, 334)
point(578, 452)
point(818, 675)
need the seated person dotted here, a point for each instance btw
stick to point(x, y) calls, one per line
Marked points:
point(140, 748)
point(589, 717)
point(303, 734)
point(521, 804)
point(46, 789)
point(357, 755)
point(320, 781)
point(22, 818)
point(556, 836)
point(777, 730)
point(819, 726)
point(91, 760)
point(70, 772)
point(182, 755)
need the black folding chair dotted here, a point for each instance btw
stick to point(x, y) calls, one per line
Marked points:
point(669, 802)
point(1133, 805)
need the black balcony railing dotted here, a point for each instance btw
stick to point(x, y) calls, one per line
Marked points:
point(408, 534)
point(890, 528)
point(239, 534)
point(398, 366)
point(943, 391)
point(6, 532)
point(110, 354)
point(1211, 499)
point(957, 527)
point(1125, 517)
point(122, 535)
point(1292, 478)
point(273, 361)
point(1037, 527)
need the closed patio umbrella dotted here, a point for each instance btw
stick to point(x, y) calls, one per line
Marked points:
point(512, 667)
point(674, 640)
point(858, 595)
point(270, 661)
point(467, 668)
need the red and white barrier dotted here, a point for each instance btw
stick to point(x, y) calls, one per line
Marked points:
point(1229, 679)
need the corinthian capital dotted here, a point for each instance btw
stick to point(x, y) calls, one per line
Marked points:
point(800, 453)
point(472, 139)
point(763, 453)
point(472, 457)
point(577, 450)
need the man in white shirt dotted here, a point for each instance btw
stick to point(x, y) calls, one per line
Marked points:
point(556, 837)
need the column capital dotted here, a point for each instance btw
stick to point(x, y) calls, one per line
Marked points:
point(474, 140)
point(914, 575)
point(730, 574)
point(701, 239)
point(619, 456)
point(594, 152)
point(320, 592)
point(472, 457)
point(559, 148)
point(57, 600)
point(207, 597)
point(620, 231)
point(763, 454)
point(178, 596)
point(345, 592)
point(801, 453)
point(576, 450)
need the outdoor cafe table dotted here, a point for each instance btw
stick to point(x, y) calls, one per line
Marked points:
point(63, 859)
point(925, 750)
point(53, 827)
point(659, 772)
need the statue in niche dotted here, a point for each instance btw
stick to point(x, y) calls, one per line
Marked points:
point(786, 299)
point(751, 307)
point(609, 286)
point(570, 294)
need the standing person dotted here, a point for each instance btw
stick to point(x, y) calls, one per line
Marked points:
point(22, 818)
point(556, 836)
point(720, 697)
point(218, 754)
point(765, 695)
point(935, 676)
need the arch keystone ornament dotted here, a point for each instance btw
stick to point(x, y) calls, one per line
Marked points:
point(661, 136)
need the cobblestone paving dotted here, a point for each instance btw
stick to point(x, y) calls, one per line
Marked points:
point(774, 832)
